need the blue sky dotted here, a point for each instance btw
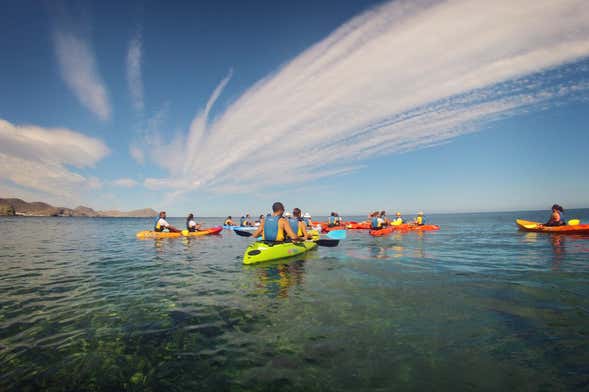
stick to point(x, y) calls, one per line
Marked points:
point(224, 107)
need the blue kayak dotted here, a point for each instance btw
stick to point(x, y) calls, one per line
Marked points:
point(242, 228)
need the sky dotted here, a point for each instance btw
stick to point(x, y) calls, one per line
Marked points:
point(221, 108)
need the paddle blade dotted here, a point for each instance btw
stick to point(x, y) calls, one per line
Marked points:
point(337, 235)
point(574, 222)
point(243, 233)
point(328, 243)
point(184, 232)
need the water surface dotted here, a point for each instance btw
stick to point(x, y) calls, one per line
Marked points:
point(477, 305)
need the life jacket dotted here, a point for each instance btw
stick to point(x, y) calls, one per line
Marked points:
point(294, 225)
point(227, 222)
point(191, 229)
point(332, 221)
point(156, 225)
point(420, 221)
point(376, 223)
point(241, 221)
point(271, 230)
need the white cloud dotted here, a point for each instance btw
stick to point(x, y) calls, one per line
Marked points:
point(125, 182)
point(134, 56)
point(137, 154)
point(79, 71)
point(406, 75)
point(37, 159)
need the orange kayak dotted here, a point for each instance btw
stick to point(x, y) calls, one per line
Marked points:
point(358, 226)
point(540, 228)
point(184, 233)
point(403, 227)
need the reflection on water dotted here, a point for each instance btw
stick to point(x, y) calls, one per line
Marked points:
point(477, 305)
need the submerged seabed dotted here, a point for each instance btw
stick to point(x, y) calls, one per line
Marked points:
point(477, 305)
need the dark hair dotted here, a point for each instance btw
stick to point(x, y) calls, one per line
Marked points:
point(229, 217)
point(190, 216)
point(276, 207)
point(557, 207)
point(296, 212)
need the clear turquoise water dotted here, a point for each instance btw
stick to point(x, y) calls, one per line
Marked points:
point(477, 305)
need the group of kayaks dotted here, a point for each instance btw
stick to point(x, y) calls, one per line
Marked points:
point(262, 251)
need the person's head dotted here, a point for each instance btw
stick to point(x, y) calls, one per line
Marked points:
point(278, 208)
point(228, 217)
point(261, 217)
point(162, 214)
point(307, 215)
point(247, 215)
point(383, 213)
point(190, 216)
point(296, 212)
point(556, 207)
point(420, 213)
point(398, 214)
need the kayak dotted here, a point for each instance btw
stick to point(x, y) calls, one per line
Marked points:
point(327, 229)
point(242, 228)
point(358, 226)
point(261, 251)
point(403, 227)
point(166, 234)
point(540, 228)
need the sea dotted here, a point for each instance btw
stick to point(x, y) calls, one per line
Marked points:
point(477, 305)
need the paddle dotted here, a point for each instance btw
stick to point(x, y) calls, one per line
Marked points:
point(329, 243)
point(337, 235)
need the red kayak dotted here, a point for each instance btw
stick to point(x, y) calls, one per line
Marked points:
point(327, 229)
point(403, 227)
point(358, 226)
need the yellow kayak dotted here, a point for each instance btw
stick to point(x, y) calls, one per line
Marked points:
point(146, 234)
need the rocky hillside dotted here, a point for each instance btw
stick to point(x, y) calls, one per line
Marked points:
point(11, 207)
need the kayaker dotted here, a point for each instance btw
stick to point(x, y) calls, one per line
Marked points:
point(307, 219)
point(338, 219)
point(398, 219)
point(160, 224)
point(297, 224)
point(332, 220)
point(242, 221)
point(383, 216)
point(420, 219)
point(248, 220)
point(229, 222)
point(275, 227)
point(191, 225)
point(376, 222)
point(557, 217)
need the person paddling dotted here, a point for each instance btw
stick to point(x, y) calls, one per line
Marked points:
point(229, 222)
point(557, 217)
point(398, 219)
point(160, 224)
point(191, 225)
point(420, 219)
point(274, 227)
point(298, 225)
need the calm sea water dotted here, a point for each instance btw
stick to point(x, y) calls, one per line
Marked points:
point(477, 305)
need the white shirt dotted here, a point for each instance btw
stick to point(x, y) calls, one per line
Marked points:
point(191, 223)
point(162, 223)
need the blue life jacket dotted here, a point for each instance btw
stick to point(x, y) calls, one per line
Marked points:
point(375, 224)
point(331, 221)
point(271, 227)
point(294, 225)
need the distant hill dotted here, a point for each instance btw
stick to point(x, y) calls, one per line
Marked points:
point(12, 207)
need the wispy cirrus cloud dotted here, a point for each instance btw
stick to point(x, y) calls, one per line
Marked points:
point(403, 76)
point(38, 160)
point(77, 63)
point(134, 61)
point(125, 182)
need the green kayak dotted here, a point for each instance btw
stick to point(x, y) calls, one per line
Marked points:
point(262, 251)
